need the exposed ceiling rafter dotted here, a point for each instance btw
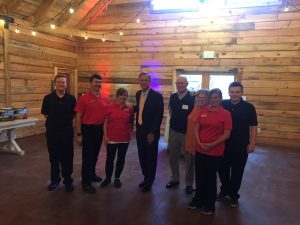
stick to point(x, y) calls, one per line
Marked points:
point(93, 13)
point(42, 11)
point(64, 18)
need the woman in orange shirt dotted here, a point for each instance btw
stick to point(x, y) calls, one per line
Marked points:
point(190, 138)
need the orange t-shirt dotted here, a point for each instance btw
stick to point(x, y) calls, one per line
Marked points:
point(190, 138)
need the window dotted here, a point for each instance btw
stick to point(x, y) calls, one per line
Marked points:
point(209, 80)
point(222, 82)
point(174, 5)
point(166, 6)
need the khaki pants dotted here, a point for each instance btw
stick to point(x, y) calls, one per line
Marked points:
point(176, 143)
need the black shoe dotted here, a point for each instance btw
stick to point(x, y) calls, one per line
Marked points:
point(142, 184)
point(96, 179)
point(52, 186)
point(88, 188)
point(189, 190)
point(172, 184)
point(105, 182)
point(146, 188)
point(69, 187)
point(234, 203)
point(206, 211)
point(221, 197)
point(117, 183)
point(193, 204)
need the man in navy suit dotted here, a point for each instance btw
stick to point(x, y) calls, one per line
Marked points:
point(150, 110)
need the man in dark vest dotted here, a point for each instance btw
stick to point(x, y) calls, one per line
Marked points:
point(180, 106)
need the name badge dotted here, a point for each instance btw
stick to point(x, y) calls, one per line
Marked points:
point(185, 107)
point(203, 115)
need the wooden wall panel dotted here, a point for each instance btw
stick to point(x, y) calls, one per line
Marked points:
point(31, 67)
point(261, 41)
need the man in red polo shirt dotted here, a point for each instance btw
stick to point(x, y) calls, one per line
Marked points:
point(91, 110)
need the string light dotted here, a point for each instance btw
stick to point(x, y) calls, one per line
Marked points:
point(17, 30)
point(52, 25)
point(71, 11)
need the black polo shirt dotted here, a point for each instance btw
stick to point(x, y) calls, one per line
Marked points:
point(60, 111)
point(243, 116)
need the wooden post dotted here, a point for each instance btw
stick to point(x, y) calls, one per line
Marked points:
point(7, 78)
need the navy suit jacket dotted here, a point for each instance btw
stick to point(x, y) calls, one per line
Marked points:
point(152, 113)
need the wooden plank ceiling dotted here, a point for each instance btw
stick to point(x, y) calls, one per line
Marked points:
point(97, 17)
point(38, 14)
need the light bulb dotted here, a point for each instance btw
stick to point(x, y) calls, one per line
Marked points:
point(121, 33)
point(71, 10)
point(17, 30)
point(52, 25)
point(286, 9)
point(138, 20)
point(33, 33)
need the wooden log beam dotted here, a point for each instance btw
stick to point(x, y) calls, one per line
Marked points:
point(64, 18)
point(7, 78)
point(93, 13)
point(70, 33)
point(10, 7)
point(42, 10)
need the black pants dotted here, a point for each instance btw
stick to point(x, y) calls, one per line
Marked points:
point(232, 170)
point(110, 157)
point(147, 155)
point(61, 151)
point(92, 136)
point(206, 168)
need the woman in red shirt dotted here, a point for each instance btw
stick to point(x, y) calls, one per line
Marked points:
point(117, 134)
point(212, 129)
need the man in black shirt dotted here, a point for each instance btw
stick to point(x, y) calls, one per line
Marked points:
point(58, 108)
point(239, 145)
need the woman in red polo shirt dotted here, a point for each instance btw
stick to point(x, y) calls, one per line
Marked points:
point(212, 129)
point(117, 133)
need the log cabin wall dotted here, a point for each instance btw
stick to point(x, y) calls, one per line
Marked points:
point(31, 66)
point(2, 81)
point(263, 42)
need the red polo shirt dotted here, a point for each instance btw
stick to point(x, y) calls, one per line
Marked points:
point(212, 126)
point(119, 122)
point(92, 108)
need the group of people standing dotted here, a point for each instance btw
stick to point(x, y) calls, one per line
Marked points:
point(216, 137)
point(98, 119)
